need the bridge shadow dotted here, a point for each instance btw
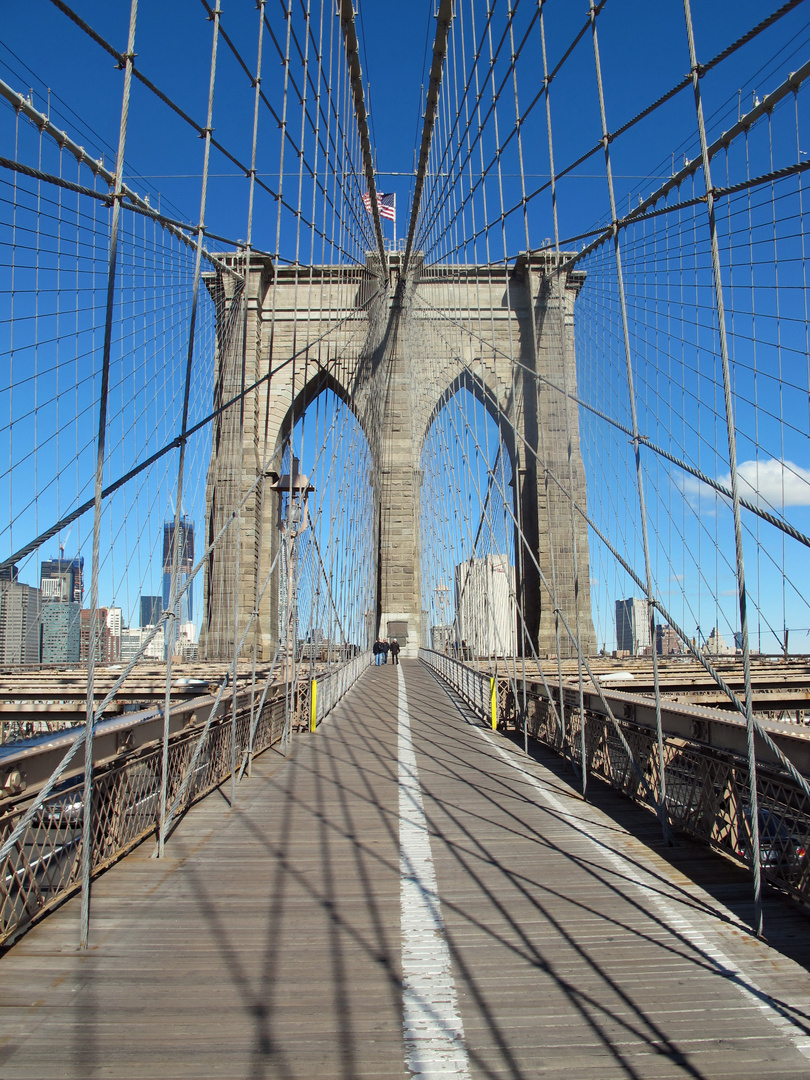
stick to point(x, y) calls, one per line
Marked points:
point(727, 899)
point(729, 885)
point(288, 931)
point(343, 792)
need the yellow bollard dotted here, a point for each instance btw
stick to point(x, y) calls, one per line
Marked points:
point(493, 702)
point(313, 704)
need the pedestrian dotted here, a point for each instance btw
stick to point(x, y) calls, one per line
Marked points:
point(395, 651)
point(385, 648)
point(377, 649)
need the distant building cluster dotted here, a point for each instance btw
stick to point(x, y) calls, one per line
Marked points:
point(442, 637)
point(633, 631)
point(716, 645)
point(633, 634)
point(49, 625)
point(667, 641)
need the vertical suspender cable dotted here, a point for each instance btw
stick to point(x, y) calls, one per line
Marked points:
point(533, 323)
point(735, 483)
point(87, 798)
point(260, 493)
point(631, 390)
point(555, 601)
point(257, 87)
point(558, 283)
point(176, 545)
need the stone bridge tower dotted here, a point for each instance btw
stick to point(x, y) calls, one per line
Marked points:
point(386, 362)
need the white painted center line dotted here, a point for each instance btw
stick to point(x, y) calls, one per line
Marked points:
point(434, 1034)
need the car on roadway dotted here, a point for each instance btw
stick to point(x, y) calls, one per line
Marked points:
point(782, 850)
point(63, 807)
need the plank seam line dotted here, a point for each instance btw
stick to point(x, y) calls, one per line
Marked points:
point(728, 968)
point(432, 1025)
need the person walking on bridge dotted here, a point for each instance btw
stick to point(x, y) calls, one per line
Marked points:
point(385, 647)
point(394, 651)
point(377, 649)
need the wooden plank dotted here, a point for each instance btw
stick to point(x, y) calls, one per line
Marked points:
point(268, 943)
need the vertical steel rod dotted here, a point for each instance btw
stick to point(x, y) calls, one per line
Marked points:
point(260, 495)
point(170, 622)
point(93, 641)
point(735, 483)
point(564, 352)
point(661, 808)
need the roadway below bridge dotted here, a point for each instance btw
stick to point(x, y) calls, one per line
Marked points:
point(408, 894)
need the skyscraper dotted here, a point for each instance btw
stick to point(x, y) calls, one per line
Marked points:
point(62, 579)
point(60, 632)
point(114, 627)
point(485, 605)
point(184, 566)
point(62, 587)
point(19, 624)
point(632, 625)
point(667, 642)
point(151, 609)
point(104, 649)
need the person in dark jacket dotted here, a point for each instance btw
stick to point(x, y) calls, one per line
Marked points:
point(377, 649)
point(385, 647)
point(395, 651)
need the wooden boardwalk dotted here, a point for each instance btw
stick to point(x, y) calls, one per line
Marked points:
point(297, 934)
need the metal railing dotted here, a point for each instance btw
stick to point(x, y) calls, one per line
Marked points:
point(325, 691)
point(706, 787)
point(43, 866)
point(474, 687)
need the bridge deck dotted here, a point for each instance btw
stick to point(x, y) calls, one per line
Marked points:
point(271, 942)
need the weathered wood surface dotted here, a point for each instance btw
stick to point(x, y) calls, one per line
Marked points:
point(268, 943)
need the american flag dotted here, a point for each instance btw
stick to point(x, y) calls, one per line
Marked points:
point(387, 202)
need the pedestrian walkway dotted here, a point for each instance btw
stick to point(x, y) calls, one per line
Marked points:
point(408, 895)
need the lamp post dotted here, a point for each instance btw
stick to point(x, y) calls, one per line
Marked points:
point(293, 519)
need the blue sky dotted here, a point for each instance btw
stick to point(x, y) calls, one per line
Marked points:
point(644, 53)
point(643, 57)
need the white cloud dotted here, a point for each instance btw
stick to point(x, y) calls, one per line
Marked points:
point(699, 495)
point(772, 482)
point(688, 484)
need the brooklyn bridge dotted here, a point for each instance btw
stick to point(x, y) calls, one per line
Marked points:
point(403, 666)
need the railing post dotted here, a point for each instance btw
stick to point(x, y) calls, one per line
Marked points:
point(493, 702)
point(313, 705)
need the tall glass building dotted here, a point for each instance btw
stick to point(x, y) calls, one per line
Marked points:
point(184, 567)
point(185, 542)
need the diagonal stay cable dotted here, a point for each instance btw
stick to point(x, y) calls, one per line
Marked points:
point(721, 489)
